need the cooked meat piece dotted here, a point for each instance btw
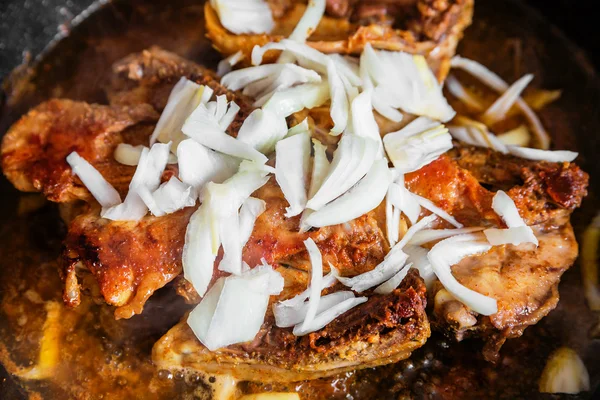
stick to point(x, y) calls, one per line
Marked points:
point(523, 279)
point(35, 147)
point(428, 27)
point(129, 260)
point(383, 330)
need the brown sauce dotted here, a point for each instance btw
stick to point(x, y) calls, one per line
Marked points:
point(100, 358)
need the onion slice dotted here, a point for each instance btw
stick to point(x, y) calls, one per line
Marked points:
point(432, 235)
point(417, 255)
point(324, 318)
point(316, 278)
point(362, 198)
point(543, 155)
point(103, 192)
point(388, 286)
point(286, 317)
point(244, 16)
point(339, 99)
point(352, 159)
point(390, 265)
point(198, 257)
point(262, 130)
point(251, 209)
point(234, 308)
point(451, 251)
point(417, 144)
point(295, 302)
point(495, 82)
point(428, 204)
point(292, 166)
point(226, 64)
point(172, 196)
point(517, 232)
point(503, 104)
point(289, 101)
point(460, 92)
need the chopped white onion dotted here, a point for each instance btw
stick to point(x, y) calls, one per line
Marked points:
point(414, 229)
point(404, 200)
point(352, 159)
point(288, 101)
point(431, 235)
point(251, 209)
point(543, 155)
point(103, 192)
point(390, 265)
point(518, 232)
point(362, 198)
point(127, 154)
point(299, 128)
point(297, 301)
point(320, 168)
point(309, 21)
point(262, 130)
point(392, 220)
point(316, 282)
point(292, 166)
point(198, 257)
point(184, 98)
point(229, 232)
point(503, 104)
point(451, 251)
point(322, 319)
point(199, 165)
point(417, 144)
point(417, 255)
point(203, 127)
point(363, 119)
point(234, 309)
point(286, 316)
point(388, 286)
point(226, 64)
point(146, 179)
point(172, 196)
point(476, 134)
point(339, 100)
point(458, 90)
point(244, 16)
point(405, 81)
point(498, 84)
point(305, 55)
point(428, 204)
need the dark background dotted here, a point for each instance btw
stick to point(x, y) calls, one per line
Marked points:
point(27, 25)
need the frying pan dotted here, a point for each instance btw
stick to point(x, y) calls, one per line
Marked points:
point(104, 31)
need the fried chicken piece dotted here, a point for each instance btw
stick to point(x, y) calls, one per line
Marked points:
point(385, 329)
point(427, 27)
point(35, 147)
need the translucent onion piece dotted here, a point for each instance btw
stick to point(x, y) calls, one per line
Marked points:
point(417, 255)
point(251, 209)
point(348, 68)
point(198, 257)
point(173, 195)
point(432, 235)
point(363, 120)
point(239, 79)
point(199, 165)
point(543, 155)
point(145, 180)
point(244, 16)
point(305, 55)
point(414, 229)
point(103, 192)
point(388, 286)
point(589, 264)
point(417, 144)
point(519, 136)
point(226, 64)
point(503, 104)
point(324, 318)
point(127, 154)
point(288, 101)
point(316, 278)
point(428, 204)
point(229, 232)
point(392, 220)
point(352, 159)
point(405, 81)
point(458, 90)
point(203, 127)
point(184, 98)
point(234, 309)
point(339, 100)
point(299, 128)
point(390, 265)
point(309, 21)
point(476, 134)
point(451, 251)
point(286, 316)
point(495, 82)
point(262, 130)
point(292, 166)
point(320, 167)
point(564, 373)
point(505, 207)
point(404, 200)
point(362, 198)
point(516, 236)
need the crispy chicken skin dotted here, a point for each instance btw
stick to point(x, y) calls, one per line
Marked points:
point(385, 329)
point(428, 27)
